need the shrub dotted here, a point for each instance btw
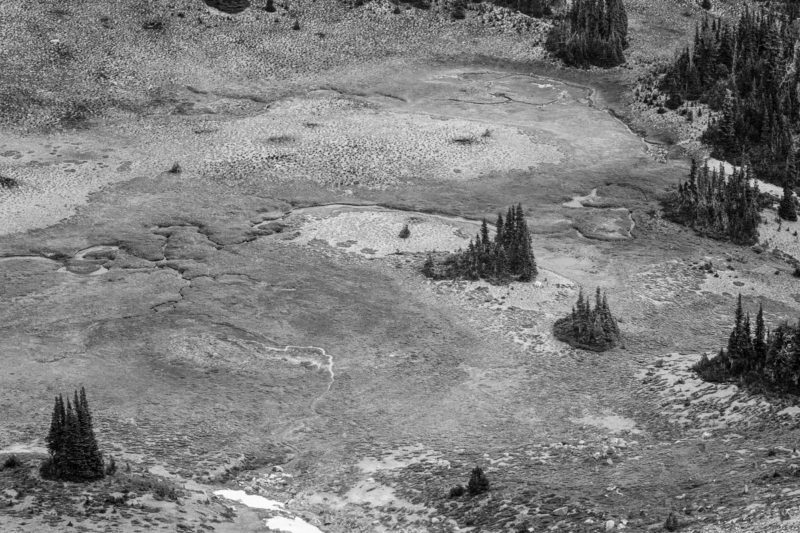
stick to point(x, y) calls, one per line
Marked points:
point(12, 461)
point(405, 233)
point(296, 25)
point(111, 467)
point(706, 4)
point(457, 491)
point(8, 183)
point(478, 482)
point(270, 7)
point(154, 25)
point(161, 489)
point(671, 524)
point(176, 168)
point(457, 12)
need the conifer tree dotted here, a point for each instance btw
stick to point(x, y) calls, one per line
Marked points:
point(759, 341)
point(478, 482)
point(787, 209)
point(74, 454)
point(509, 257)
point(594, 329)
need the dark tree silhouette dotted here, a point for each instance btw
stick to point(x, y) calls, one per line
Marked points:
point(787, 209)
point(717, 206)
point(508, 257)
point(478, 482)
point(591, 329)
point(749, 73)
point(763, 360)
point(74, 454)
point(593, 32)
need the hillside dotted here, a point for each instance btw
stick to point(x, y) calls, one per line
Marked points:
point(218, 224)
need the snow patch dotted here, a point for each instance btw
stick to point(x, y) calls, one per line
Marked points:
point(789, 411)
point(250, 500)
point(290, 525)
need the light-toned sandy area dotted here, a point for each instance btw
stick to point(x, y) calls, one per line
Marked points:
point(337, 141)
point(783, 235)
point(702, 407)
point(374, 231)
point(763, 284)
point(728, 169)
point(57, 173)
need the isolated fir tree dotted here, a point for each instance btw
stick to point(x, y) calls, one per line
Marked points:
point(787, 209)
point(478, 482)
point(74, 454)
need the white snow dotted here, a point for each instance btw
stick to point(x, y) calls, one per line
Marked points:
point(790, 411)
point(290, 525)
point(250, 500)
point(728, 169)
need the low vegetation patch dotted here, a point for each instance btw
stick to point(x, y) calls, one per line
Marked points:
point(161, 489)
point(7, 182)
point(11, 462)
point(756, 358)
point(509, 257)
point(590, 329)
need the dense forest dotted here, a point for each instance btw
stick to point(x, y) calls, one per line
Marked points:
point(507, 258)
point(749, 72)
point(755, 356)
point(718, 206)
point(589, 328)
point(593, 32)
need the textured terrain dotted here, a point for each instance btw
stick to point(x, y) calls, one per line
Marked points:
point(253, 332)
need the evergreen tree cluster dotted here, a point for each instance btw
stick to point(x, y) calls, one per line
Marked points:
point(750, 73)
point(593, 32)
point(508, 257)
point(74, 455)
point(718, 206)
point(755, 356)
point(589, 328)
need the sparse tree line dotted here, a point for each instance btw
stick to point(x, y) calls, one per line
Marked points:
point(589, 328)
point(718, 206)
point(749, 72)
point(507, 257)
point(756, 356)
point(593, 32)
